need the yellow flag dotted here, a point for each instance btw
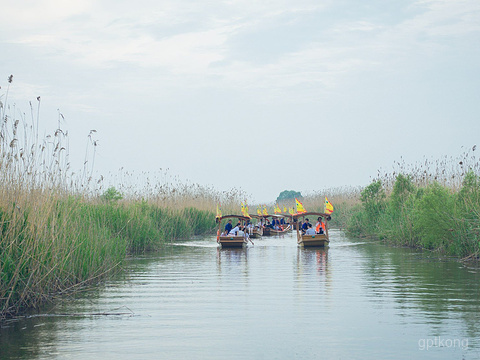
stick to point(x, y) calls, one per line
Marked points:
point(300, 208)
point(219, 212)
point(259, 210)
point(328, 207)
point(265, 212)
point(243, 209)
point(284, 209)
point(291, 211)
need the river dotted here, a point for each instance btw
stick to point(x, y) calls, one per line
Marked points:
point(273, 300)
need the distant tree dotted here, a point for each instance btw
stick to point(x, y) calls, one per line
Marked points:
point(112, 195)
point(289, 194)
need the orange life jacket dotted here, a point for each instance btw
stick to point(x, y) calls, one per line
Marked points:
point(322, 225)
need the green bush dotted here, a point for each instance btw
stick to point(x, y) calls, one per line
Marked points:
point(432, 217)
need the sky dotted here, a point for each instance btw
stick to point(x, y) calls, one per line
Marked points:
point(262, 96)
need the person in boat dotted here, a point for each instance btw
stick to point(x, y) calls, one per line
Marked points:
point(320, 226)
point(249, 227)
point(277, 224)
point(243, 232)
point(310, 230)
point(267, 224)
point(305, 226)
point(235, 230)
point(259, 224)
point(228, 226)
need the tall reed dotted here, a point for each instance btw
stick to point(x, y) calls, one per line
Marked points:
point(57, 231)
point(432, 205)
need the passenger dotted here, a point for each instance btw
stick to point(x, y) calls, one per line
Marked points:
point(294, 224)
point(235, 230)
point(249, 227)
point(305, 225)
point(310, 230)
point(267, 224)
point(228, 226)
point(320, 226)
point(276, 224)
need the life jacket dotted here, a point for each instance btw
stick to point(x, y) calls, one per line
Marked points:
point(320, 225)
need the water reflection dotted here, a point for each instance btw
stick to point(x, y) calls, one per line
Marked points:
point(313, 258)
point(436, 291)
point(194, 300)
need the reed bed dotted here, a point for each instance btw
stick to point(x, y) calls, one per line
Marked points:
point(433, 204)
point(60, 231)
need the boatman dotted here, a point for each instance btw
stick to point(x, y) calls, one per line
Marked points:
point(228, 227)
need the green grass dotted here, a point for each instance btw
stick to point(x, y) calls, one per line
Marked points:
point(60, 231)
point(434, 217)
point(75, 242)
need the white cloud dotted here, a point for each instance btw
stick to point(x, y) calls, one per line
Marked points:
point(196, 40)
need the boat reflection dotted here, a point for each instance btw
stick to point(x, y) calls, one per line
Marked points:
point(232, 259)
point(313, 258)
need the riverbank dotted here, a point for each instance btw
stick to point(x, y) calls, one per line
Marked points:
point(61, 230)
point(427, 214)
point(53, 245)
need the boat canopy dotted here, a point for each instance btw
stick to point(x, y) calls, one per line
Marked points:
point(240, 217)
point(296, 216)
point(270, 215)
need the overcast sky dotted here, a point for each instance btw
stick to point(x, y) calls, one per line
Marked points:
point(258, 95)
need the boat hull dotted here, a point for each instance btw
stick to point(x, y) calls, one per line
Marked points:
point(279, 232)
point(314, 240)
point(232, 241)
point(256, 234)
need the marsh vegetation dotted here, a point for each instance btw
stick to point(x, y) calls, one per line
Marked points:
point(433, 205)
point(61, 230)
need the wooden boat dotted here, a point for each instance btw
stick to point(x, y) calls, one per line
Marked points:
point(286, 226)
point(230, 240)
point(257, 232)
point(312, 240)
point(268, 231)
point(289, 221)
point(280, 232)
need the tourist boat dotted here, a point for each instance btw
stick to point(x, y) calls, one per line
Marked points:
point(257, 232)
point(312, 240)
point(230, 240)
point(286, 226)
point(280, 232)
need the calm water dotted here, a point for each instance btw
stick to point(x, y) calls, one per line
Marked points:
point(273, 300)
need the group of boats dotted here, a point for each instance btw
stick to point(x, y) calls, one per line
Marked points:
point(262, 227)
